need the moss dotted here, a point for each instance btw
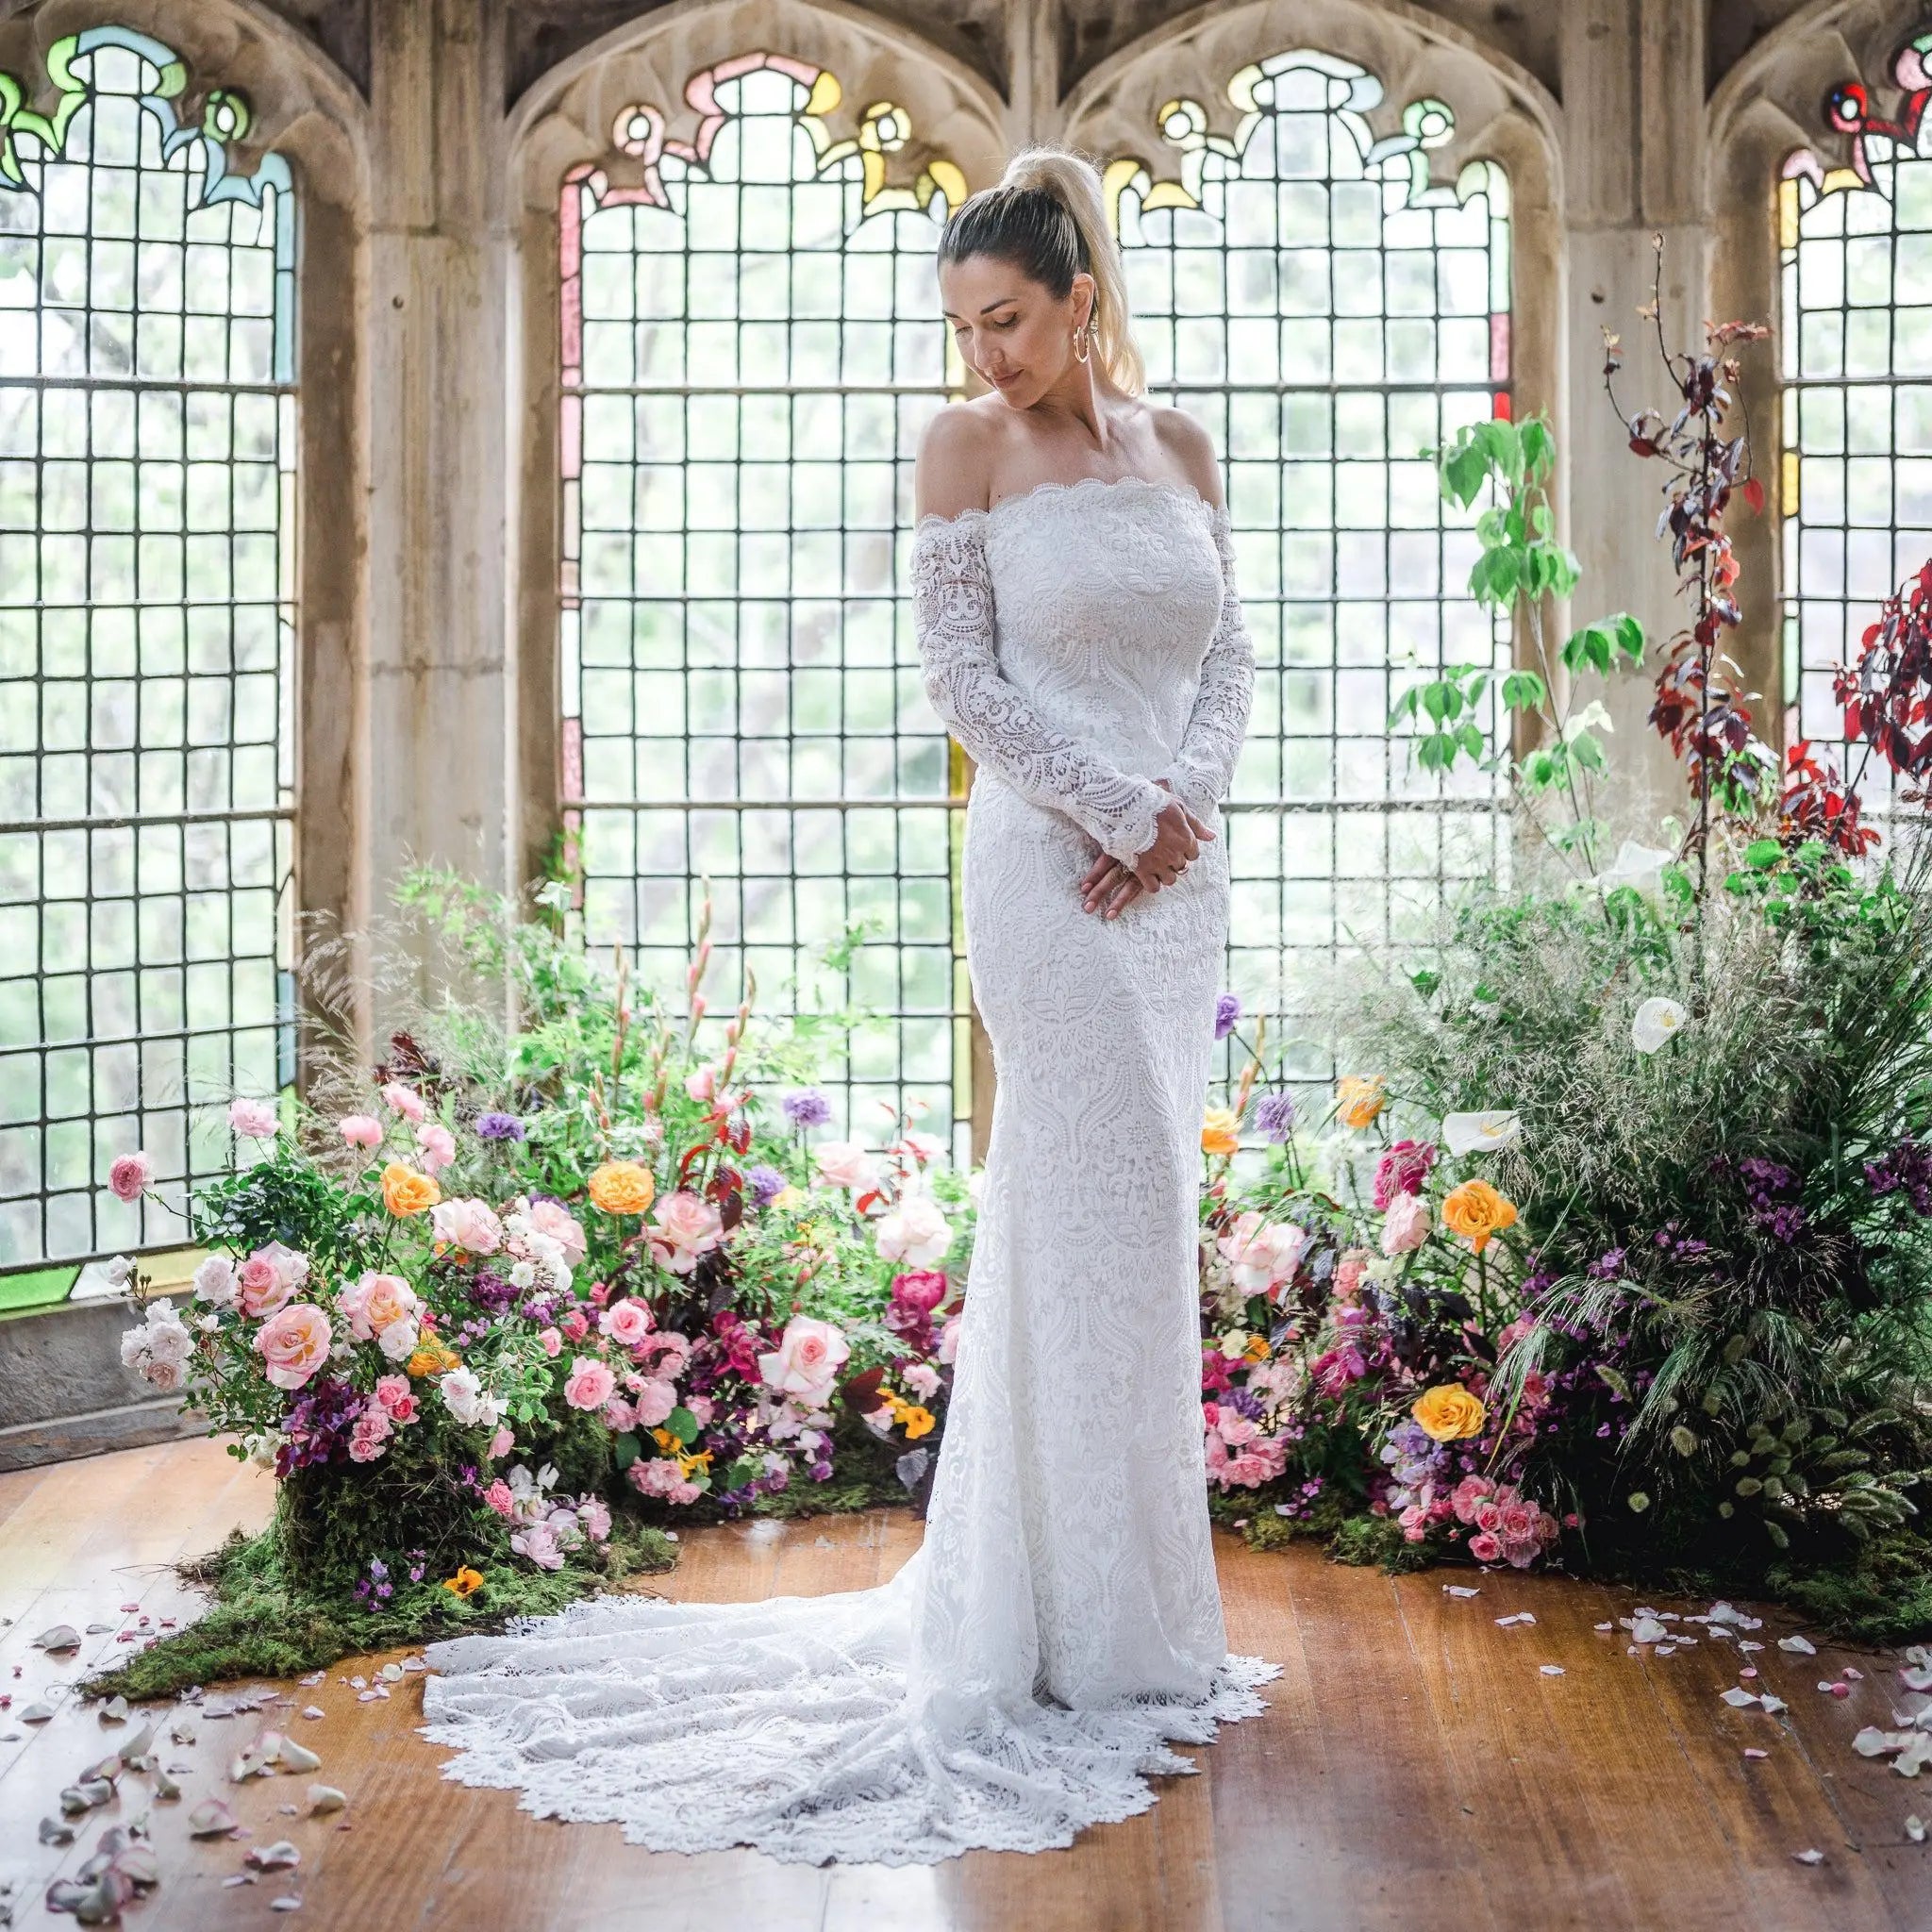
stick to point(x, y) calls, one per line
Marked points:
point(1364, 1539)
point(264, 1623)
point(1886, 1598)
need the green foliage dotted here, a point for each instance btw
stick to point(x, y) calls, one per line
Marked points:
point(270, 1617)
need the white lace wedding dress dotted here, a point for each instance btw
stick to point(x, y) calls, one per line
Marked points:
point(1060, 1627)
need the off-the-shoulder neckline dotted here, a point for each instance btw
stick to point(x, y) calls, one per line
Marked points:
point(1079, 483)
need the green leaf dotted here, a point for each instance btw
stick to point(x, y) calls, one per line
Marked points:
point(1762, 854)
point(1539, 447)
point(1586, 752)
point(1425, 981)
point(1471, 738)
point(625, 1450)
point(1523, 691)
point(1629, 635)
point(683, 1425)
point(1465, 470)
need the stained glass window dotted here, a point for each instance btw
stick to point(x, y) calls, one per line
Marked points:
point(751, 345)
point(146, 626)
point(1855, 489)
point(1330, 315)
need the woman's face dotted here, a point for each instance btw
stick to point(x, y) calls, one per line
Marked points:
point(1011, 330)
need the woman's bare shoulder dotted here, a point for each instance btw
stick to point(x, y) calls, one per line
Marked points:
point(1188, 444)
point(957, 453)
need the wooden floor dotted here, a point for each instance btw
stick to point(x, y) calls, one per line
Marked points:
point(1416, 1768)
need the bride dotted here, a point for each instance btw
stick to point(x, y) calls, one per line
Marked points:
point(1060, 1627)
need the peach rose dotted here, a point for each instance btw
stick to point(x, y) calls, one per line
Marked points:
point(468, 1224)
point(845, 1164)
point(406, 1192)
point(1475, 1211)
point(621, 1186)
point(374, 1301)
point(1218, 1131)
point(1359, 1102)
point(294, 1343)
point(1262, 1255)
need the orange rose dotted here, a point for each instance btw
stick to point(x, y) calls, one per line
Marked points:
point(431, 1357)
point(623, 1187)
point(1448, 1412)
point(1475, 1211)
point(406, 1192)
point(1357, 1101)
point(1217, 1134)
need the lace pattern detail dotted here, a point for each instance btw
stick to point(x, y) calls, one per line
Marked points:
point(954, 618)
point(1203, 768)
point(1059, 1629)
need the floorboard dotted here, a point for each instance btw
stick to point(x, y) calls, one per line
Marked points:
point(1416, 1764)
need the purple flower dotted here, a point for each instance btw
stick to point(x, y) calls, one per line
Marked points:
point(1909, 1166)
point(807, 1107)
point(1274, 1116)
point(499, 1126)
point(765, 1182)
point(1227, 1009)
point(1607, 1265)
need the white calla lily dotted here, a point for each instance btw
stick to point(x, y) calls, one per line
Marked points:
point(1481, 1133)
point(1635, 865)
point(1655, 1021)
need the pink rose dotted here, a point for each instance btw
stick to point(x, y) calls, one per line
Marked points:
point(949, 1340)
point(922, 1378)
point(1519, 1521)
point(701, 1407)
point(845, 1164)
point(1348, 1273)
point(575, 1323)
point(1485, 1548)
point(655, 1400)
point(560, 1225)
point(165, 1373)
point(360, 1129)
point(253, 1119)
point(397, 1398)
point(467, 1224)
point(1402, 1170)
point(626, 1323)
point(1415, 1523)
point(1487, 1516)
point(269, 1278)
point(552, 1342)
point(688, 1226)
point(499, 1498)
point(663, 1479)
point(1262, 1255)
point(664, 1352)
point(500, 1444)
point(589, 1384)
point(619, 1416)
point(538, 1541)
point(920, 1289)
point(436, 1147)
point(130, 1176)
point(1521, 1553)
point(404, 1101)
point(808, 1357)
point(1406, 1226)
point(294, 1344)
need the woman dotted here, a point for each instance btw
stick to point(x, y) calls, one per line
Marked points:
point(1025, 1670)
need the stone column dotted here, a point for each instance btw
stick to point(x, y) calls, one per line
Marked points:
point(1633, 117)
point(438, 716)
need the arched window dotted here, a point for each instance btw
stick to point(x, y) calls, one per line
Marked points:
point(1855, 492)
point(751, 345)
point(146, 622)
point(1332, 316)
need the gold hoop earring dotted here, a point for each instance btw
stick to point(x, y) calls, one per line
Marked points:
point(1081, 339)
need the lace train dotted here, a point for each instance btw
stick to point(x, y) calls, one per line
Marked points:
point(787, 1725)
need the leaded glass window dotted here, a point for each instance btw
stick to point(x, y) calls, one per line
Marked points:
point(1331, 316)
point(1855, 488)
point(146, 631)
point(751, 345)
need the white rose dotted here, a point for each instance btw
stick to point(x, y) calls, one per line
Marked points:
point(214, 1281)
point(845, 1164)
point(398, 1341)
point(462, 1395)
point(915, 1232)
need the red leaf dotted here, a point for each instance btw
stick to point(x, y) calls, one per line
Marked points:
point(1754, 494)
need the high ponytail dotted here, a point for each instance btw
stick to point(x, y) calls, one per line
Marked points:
point(1048, 217)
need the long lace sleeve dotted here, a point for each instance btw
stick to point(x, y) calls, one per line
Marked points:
point(1203, 767)
point(952, 616)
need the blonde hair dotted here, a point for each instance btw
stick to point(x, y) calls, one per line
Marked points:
point(1048, 215)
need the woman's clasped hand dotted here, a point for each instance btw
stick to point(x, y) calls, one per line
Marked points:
point(1109, 886)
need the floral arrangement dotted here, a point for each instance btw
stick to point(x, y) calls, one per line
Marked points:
point(464, 1306)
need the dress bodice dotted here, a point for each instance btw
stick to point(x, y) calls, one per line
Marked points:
point(1105, 595)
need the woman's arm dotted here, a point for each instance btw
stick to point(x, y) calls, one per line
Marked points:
point(1203, 766)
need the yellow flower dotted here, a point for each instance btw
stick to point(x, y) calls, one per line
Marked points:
point(1218, 1134)
point(466, 1582)
point(1359, 1101)
point(671, 1445)
point(919, 1421)
point(432, 1357)
point(786, 1196)
point(1448, 1412)
point(692, 1461)
point(623, 1187)
point(406, 1192)
point(1475, 1211)
point(1257, 1350)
